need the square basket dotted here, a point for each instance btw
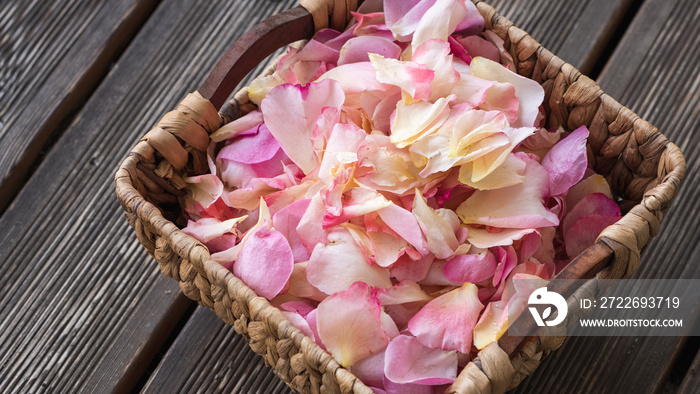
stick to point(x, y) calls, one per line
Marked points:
point(642, 167)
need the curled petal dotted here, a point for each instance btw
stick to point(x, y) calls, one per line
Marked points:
point(417, 120)
point(290, 113)
point(441, 20)
point(439, 232)
point(519, 206)
point(566, 162)
point(404, 292)
point(407, 360)
point(483, 238)
point(206, 229)
point(349, 324)
point(413, 78)
point(204, 189)
point(447, 321)
point(405, 224)
point(246, 122)
point(357, 202)
point(435, 54)
point(528, 92)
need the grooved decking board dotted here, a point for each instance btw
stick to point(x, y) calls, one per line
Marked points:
point(82, 306)
point(656, 73)
point(195, 363)
point(207, 357)
point(576, 31)
point(691, 383)
point(52, 56)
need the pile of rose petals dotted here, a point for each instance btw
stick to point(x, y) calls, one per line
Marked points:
point(394, 181)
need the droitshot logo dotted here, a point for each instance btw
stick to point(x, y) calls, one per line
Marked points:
point(554, 301)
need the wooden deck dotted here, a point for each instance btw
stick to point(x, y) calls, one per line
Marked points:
point(83, 308)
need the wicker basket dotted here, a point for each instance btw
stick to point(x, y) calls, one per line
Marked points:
point(642, 166)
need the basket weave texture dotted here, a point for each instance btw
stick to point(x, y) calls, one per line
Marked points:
point(643, 168)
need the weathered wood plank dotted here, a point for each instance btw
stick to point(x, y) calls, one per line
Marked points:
point(576, 31)
point(691, 382)
point(52, 56)
point(82, 307)
point(656, 72)
point(175, 373)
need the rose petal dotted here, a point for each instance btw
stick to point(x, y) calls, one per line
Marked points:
point(595, 183)
point(529, 93)
point(440, 234)
point(595, 203)
point(404, 292)
point(265, 263)
point(249, 149)
point(415, 121)
point(408, 361)
point(246, 122)
point(483, 238)
point(334, 266)
point(566, 162)
point(357, 49)
point(206, 229)
point(519, 206)
point(405, 224)
point(413, 78)
point(440, 21)
point(447, 321)
point(407, 269)
point(471, 268)
point(349, 324)
point(286, 222)
point(290, 113)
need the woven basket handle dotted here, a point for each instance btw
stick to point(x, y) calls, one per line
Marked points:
point(269, 35)
point(252, 48)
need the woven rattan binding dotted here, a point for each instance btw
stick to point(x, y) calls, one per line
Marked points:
point(644, 169)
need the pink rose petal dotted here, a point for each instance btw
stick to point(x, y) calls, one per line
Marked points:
point(290, 113)
point(409, 361)
point(471, 268)
point(595, 203)
point(357, 49)
point(566, 162)
point(286, 222)
point(251, 149)
point(334, 266)
point(265, 263)
point(447, 321)
point(349, 324)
